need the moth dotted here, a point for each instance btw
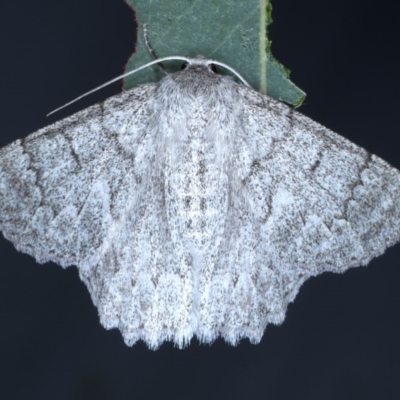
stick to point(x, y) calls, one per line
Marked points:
point(195, 205)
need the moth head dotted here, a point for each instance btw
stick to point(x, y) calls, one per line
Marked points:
point(198, 61)
point(210, 66)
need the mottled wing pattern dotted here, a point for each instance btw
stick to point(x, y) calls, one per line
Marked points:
point(303, 200)
point(65, 188)
point(136, 284)
point(321, 202)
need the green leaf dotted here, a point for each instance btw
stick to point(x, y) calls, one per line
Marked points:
point(225, 30)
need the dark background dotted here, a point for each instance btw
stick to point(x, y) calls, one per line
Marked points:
point(341, 336)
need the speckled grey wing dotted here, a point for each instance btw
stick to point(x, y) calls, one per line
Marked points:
point(65, 188)
point(322, 203)
point(137, 284)
point(302, 200)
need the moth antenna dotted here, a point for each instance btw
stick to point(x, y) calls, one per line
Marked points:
point(118, 78)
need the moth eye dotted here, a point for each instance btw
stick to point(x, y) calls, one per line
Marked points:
point(212, 67)
point(184, 65)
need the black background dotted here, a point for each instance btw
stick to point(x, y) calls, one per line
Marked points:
point(341, 336)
